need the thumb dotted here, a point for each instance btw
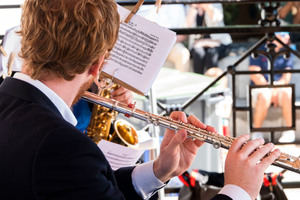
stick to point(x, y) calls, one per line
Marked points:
point(178, 139)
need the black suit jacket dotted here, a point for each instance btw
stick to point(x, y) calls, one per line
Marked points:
point(42, 156)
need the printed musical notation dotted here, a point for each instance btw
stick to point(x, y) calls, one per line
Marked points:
point(139, 53)
point(134, 48)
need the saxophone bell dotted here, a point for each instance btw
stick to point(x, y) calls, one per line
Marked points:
point(124, 134)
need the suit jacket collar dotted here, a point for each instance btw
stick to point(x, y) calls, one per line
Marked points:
point(25, 91)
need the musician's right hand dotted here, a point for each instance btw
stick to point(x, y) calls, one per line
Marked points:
point(177, 152)
point(246, 162)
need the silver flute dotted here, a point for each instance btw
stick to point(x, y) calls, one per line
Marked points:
point(284, 161)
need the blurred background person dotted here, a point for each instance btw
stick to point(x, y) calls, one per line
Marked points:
point(207, 50)
point(12, 62)
point(263, 98)
point(171, 16)
point(290, 13)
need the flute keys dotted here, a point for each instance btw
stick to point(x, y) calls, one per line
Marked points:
point(216, 144)
point(289, 160)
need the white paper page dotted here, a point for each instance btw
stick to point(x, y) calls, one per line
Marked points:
point(119, 156)
point(140, 51)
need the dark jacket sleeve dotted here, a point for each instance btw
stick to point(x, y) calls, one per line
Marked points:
point(124, 181)
point(69, 166)
point(221, 197)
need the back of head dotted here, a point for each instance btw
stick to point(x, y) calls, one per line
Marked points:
point(64, 37)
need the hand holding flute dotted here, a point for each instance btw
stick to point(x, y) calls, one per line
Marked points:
point(177, 151)
point(245, 163)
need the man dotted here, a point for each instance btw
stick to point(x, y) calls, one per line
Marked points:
point(43, 156)
point(264, 98)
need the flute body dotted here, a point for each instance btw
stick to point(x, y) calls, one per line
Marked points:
point(284, 161)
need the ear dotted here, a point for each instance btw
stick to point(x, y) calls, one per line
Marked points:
point(96, 67)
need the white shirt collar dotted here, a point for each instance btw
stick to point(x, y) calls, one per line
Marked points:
point(63, 108)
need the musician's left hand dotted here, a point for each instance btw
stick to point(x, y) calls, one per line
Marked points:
point(177, 152)
point(123, 95)
point(246, 162)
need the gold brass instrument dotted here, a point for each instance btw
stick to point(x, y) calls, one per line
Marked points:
point(101, 120)
point(284, 161)
point(124, 134)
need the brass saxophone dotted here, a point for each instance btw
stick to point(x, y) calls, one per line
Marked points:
point(101, 121)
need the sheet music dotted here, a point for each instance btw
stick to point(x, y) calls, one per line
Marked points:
point(133, 48)
point(119, 156)
point(140, 51)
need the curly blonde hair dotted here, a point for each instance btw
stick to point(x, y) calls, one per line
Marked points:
point(65, 37)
